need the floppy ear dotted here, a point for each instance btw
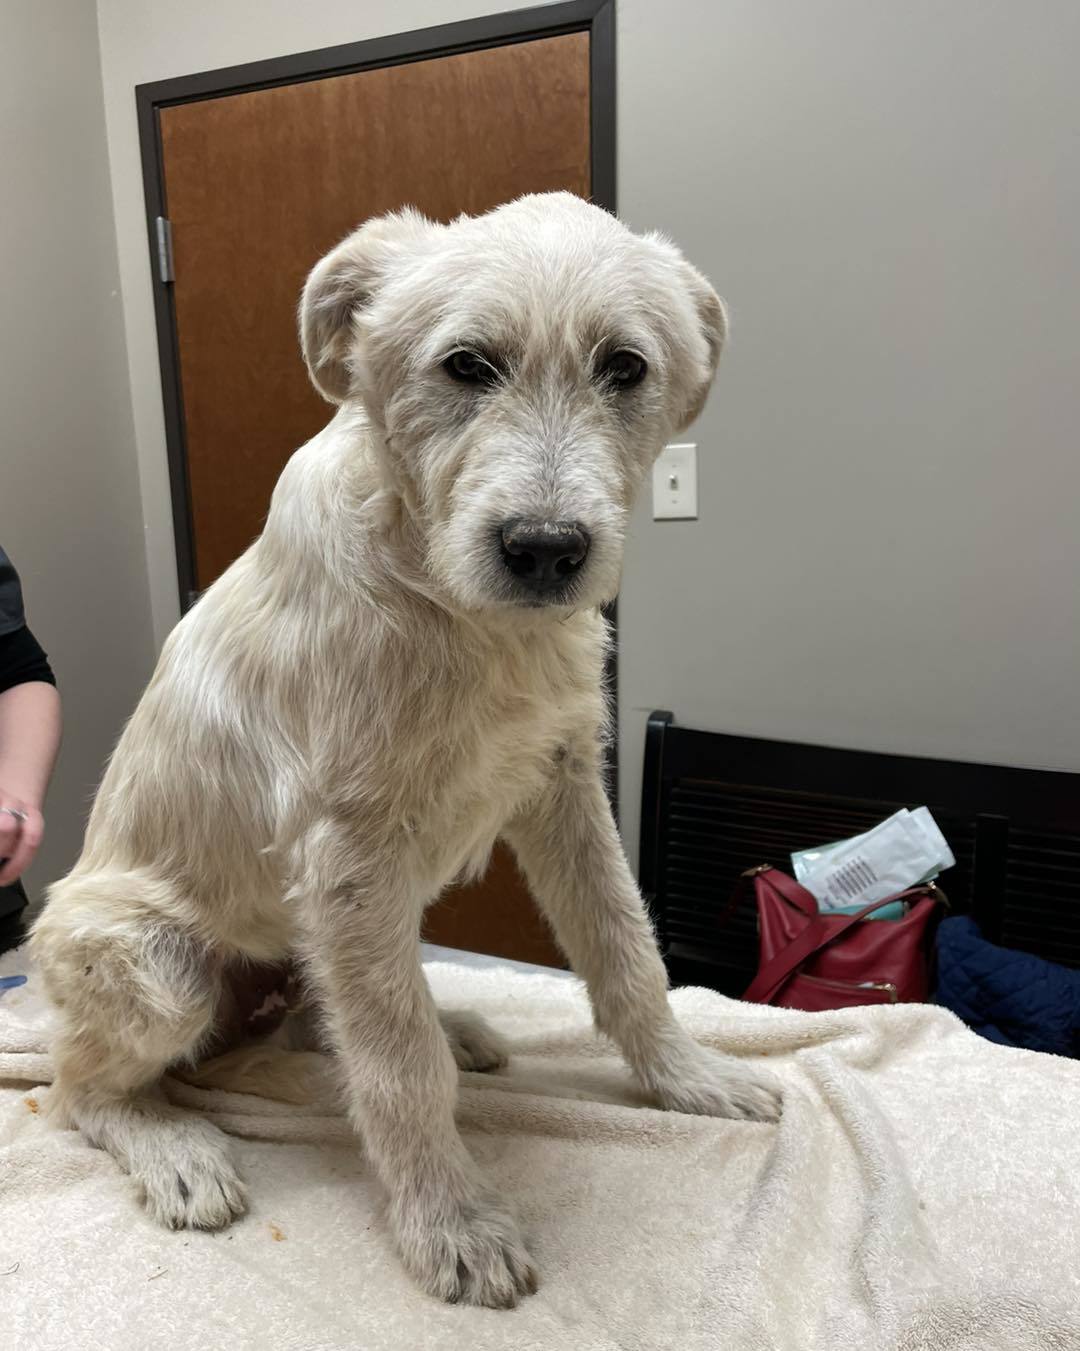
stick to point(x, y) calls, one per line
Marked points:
point(712, 317)
point(340, 286)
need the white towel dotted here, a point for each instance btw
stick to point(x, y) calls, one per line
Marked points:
point(921, 1193)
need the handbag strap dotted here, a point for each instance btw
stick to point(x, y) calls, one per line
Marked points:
point(814, 937)
point(793, 892)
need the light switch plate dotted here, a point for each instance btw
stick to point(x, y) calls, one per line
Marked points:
point(674, 484)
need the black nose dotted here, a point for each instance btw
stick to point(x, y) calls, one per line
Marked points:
point(543, 555)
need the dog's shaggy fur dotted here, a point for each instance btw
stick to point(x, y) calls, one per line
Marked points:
point(369, 697)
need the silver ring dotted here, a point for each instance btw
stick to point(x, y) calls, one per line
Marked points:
point(18, 815)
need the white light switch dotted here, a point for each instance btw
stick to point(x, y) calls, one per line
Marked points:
point(674, 484)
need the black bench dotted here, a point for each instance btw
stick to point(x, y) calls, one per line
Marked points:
point(714, 805)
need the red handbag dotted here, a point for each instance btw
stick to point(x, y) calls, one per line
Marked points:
point(814, 961)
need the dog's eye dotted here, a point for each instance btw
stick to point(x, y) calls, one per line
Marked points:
point(470, 368)
point(624, 369)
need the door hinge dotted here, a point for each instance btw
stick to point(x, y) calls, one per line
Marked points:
point(164, 249)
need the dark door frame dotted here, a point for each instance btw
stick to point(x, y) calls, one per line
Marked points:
point(596, 17)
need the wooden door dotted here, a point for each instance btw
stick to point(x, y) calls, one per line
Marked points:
point(258, 185)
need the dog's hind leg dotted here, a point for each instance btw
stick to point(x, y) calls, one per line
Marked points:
point(181, 1163)
point(130, 1002)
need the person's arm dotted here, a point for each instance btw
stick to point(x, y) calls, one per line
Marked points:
point(29, 740)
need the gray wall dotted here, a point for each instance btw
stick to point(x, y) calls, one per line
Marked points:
point(887, 195)
point(888, 553)
point(69, 501)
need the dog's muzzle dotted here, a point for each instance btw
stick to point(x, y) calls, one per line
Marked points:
point(543, 556)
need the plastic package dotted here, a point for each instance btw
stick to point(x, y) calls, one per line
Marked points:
point(905, 849)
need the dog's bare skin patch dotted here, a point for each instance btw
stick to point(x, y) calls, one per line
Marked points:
point(406, 665)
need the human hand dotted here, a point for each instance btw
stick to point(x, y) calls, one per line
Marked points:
point(21, 829)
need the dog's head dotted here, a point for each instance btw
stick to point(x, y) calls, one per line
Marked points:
point(522, 370)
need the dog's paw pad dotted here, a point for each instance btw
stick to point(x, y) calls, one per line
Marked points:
point(476, 1256)
point(715, 1085)
point(475, 1045)
point(194, 1186)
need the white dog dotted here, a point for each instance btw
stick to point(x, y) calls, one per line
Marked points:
point(406, 665)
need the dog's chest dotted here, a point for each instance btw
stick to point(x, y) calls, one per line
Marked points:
point(490, 743)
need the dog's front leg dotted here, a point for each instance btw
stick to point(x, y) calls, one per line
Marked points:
point(570, 850)
point(363, 949)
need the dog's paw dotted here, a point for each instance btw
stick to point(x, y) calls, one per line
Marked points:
point(706, 1083)
point(471, 1255)
point(475, 1045)
point(192, 1184)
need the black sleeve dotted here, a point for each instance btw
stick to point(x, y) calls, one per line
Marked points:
point(21, 657)
point(22, 660)
point(11, 601)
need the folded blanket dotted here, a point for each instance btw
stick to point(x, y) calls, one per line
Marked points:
point(921, 1193)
